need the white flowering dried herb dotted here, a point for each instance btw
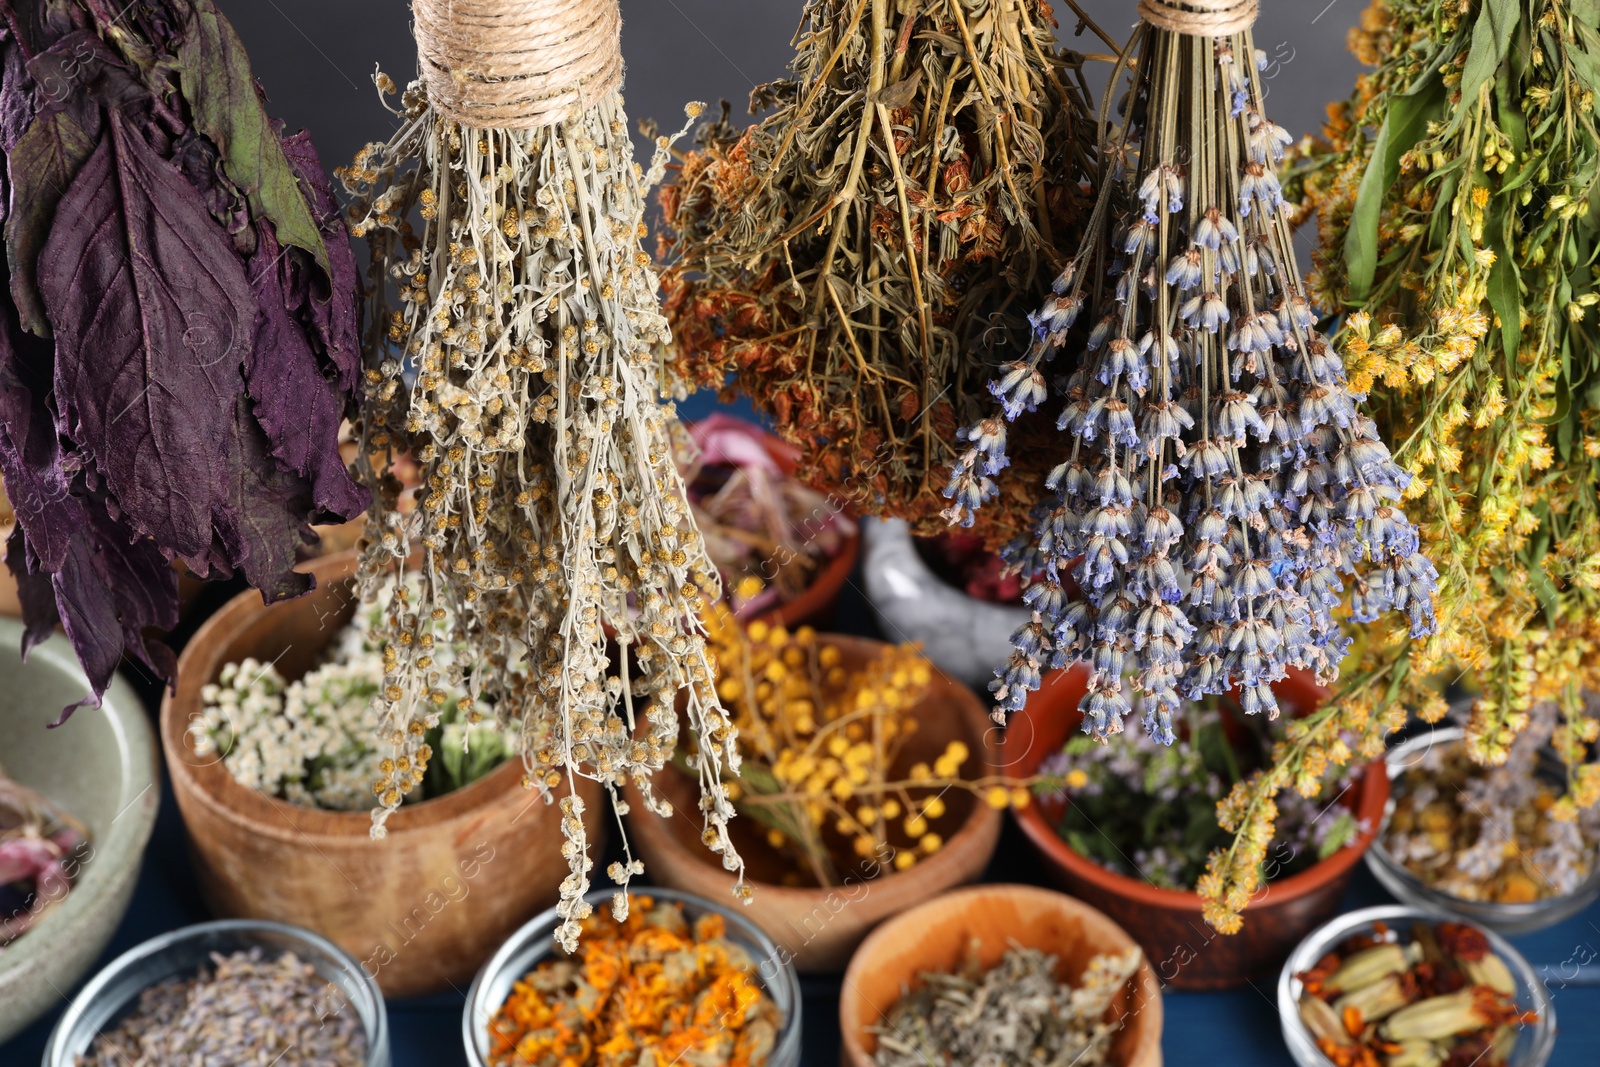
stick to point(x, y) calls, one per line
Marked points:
point(1017, 1011)
point(517, 368)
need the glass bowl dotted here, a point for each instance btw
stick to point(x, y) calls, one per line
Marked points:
point(1535, 1042)
point(534, 942)
point(181, 952)
point(1510, 919)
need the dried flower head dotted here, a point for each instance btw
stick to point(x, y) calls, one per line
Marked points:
point(517, 367)
point(862, 258)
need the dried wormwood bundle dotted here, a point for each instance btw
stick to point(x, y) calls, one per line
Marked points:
point(864, 256)
point(551, 511)
point(1217, 485)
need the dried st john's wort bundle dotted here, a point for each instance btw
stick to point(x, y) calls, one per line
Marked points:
point(518, 369)
point(863, 258)
point(1216, 485)
point(178, 338)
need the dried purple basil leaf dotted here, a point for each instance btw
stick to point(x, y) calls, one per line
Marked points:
point(153, 318)
point(216, 79)
point(41, 168)
point(297, 406)
point(331, 300)
point(16, 92)
point(35, 592)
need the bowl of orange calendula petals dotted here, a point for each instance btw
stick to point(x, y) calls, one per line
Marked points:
point(676, 979)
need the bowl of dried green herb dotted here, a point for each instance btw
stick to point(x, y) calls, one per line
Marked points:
point(1000, 974)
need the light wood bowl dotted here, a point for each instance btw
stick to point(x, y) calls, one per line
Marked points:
point(422, 908)
point(818, 927)
point(936, 936)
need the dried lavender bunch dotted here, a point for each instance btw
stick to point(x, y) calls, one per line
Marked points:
point(551, 519)
point(1217, 487)
point(862, 259)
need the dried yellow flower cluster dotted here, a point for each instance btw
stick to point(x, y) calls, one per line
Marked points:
point(825, 736)
point(1455, 199)
point(519, 371)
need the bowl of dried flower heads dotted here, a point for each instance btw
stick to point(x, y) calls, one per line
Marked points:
point(1157, 806)
point(1000, 974)
point(782, 549)
point(1402, 985)
point(269, 743)
point(678, 979)
point(77, 805)
point(1508, 846)
point(869, 780)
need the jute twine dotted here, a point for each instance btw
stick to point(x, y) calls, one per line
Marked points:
point(1200, 18)
point(517, 64)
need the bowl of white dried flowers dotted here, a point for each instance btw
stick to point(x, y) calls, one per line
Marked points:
point(270, 738)
point(1508, 846)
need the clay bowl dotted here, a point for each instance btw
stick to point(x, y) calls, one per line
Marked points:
point(938, 935)
point(1185, 952)
point(422, 908)
point(817, 927)
point(101, 767)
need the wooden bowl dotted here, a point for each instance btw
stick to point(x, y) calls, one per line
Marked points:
point(1185, 952)
point(422, 908)
point(817, 927)
point(938, 935)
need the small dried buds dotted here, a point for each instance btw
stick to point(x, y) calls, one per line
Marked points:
point(1442, 998)
point(825, 735)
point(862, 258)
point(517, 368)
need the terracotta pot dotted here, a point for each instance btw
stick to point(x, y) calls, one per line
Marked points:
point(422, 908)
point(938, 935)
point(1185, 952)
point(818, 927)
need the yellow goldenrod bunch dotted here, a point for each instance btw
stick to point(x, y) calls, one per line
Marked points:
point(1456, 196)
point(832, 764)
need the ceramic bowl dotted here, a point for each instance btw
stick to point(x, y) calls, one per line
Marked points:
point(181, 952)
point(940, 934)
point(1534, 1043)
point(1506, 918)
point(100, 765)
point(535, 942)
point(965, 637)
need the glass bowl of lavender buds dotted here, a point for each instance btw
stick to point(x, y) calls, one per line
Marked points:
point(231, 991)
point(1483, 843)
point(1401, 984)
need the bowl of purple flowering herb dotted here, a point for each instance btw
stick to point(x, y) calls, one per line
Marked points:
point(1129, 827)
point(235, 991)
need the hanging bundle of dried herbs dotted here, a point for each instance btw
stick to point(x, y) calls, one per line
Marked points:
point(1216, 487)
point(863, 258)
point(178, 335)
point(518, 369)
point(1457, 199)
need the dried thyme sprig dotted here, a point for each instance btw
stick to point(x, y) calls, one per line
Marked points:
point(551, 519)
point(863, 258)
point(1217, 487)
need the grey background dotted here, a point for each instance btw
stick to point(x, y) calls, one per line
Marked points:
point(316, 57)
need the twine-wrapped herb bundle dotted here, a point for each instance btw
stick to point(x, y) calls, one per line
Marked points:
point(178, 332)
point(863, 258)
point(1457, 203)
point(551, 515)
point(1216, 486)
